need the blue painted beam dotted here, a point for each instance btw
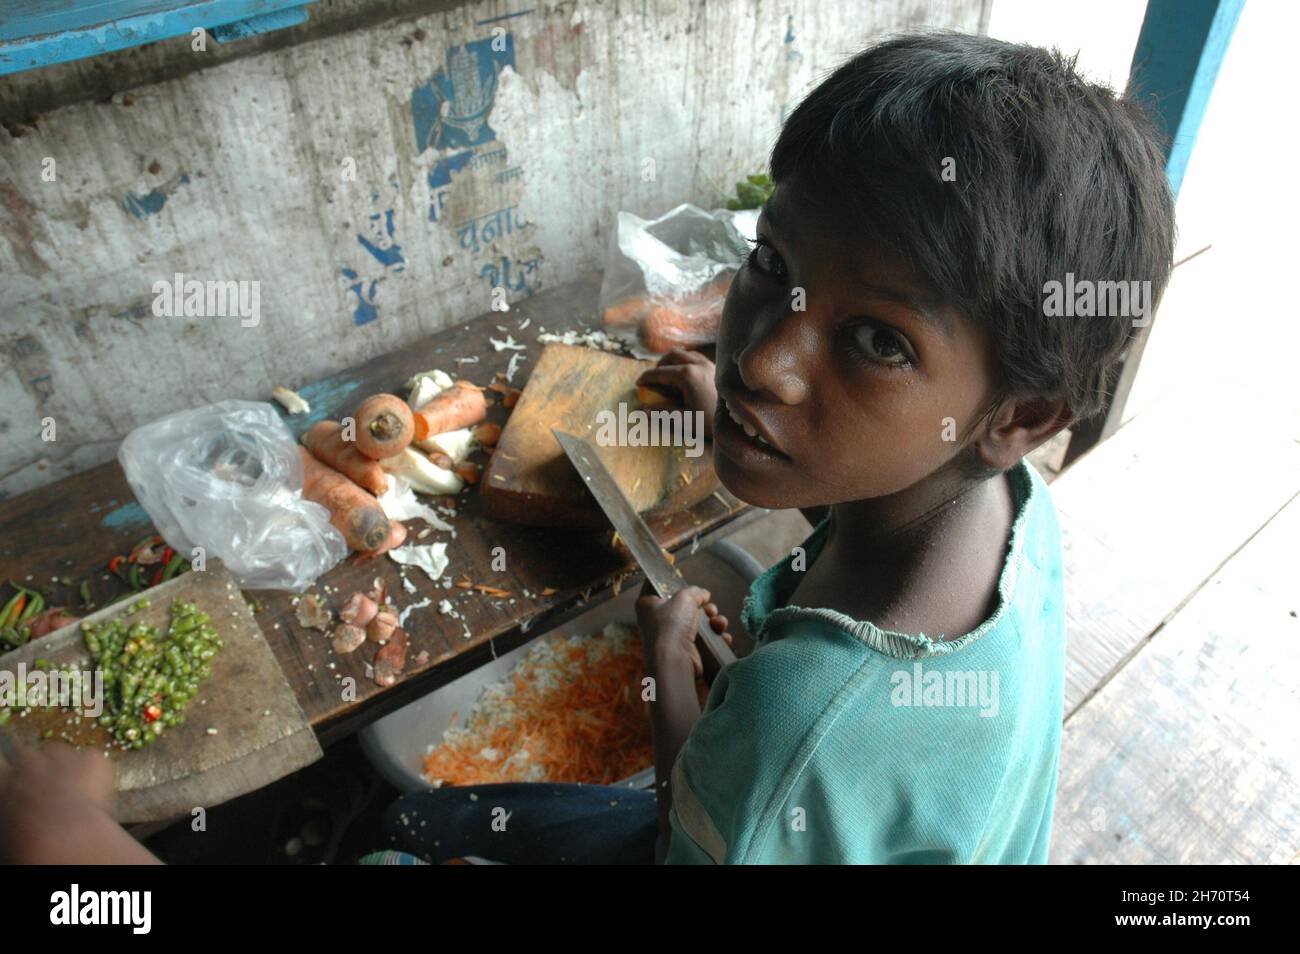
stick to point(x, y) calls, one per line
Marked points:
point(36, 33)
point(1175, 64)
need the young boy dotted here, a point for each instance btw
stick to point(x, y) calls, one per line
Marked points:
point(885, 363)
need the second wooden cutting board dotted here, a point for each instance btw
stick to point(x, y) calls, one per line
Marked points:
point(529, 480)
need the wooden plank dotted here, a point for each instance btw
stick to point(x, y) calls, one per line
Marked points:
point(1148, 516)
point(529, 480)
point(261, 733)
point(71, 528)
point(1189, 754)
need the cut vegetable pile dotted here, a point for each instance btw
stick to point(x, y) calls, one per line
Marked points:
point(149, 679)
point(571, 710)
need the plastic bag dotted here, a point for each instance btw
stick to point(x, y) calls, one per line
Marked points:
point(228, 478)
point(666, 279)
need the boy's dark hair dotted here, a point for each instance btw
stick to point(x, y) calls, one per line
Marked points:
point(1054, 174)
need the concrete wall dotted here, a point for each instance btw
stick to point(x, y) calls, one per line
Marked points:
point(490, 148)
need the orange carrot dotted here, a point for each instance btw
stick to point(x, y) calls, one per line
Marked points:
point(509, 395)
point(355, 513)
point(649, 396)
point(325, 441)
point(670, 326)
point(385, 426)
point(467, 471)
point(458, 406)
point(396, 537)
point(487, 434)
point(626, 313)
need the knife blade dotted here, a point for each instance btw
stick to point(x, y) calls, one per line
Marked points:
point(649, 555)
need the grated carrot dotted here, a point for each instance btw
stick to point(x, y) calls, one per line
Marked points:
point(575, 714)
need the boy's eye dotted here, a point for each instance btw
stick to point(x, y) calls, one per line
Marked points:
point(882, 345)
point(766, 259)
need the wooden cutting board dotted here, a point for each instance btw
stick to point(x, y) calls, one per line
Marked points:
point(529, 480)
point(262, 734)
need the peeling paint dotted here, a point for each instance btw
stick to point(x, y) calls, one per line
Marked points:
point(128, 517)
point(151, 202)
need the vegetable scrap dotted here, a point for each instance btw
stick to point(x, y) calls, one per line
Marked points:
point(431, 558)
point(508, 344)
point(312, 613)
point(597, 339)
point(391, 658)
point(291, 401)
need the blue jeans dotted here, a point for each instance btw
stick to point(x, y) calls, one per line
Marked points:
point(522, 823)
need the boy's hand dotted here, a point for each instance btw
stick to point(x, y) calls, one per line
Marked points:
point(668, 627)
point(56, 808)
point(690, 374)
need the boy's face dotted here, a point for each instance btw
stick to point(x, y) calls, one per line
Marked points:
point(856, 392)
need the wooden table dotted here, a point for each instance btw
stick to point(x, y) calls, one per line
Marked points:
point(71, 528)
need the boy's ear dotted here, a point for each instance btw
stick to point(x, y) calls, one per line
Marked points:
point(1018, 426)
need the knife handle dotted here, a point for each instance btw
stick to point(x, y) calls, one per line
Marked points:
point(714, 644)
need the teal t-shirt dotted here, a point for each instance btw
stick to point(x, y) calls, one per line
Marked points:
point(837, 742)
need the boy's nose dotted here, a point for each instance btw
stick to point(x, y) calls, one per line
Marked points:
point(775, 360)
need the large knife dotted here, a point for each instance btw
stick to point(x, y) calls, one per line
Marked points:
point(663, 576)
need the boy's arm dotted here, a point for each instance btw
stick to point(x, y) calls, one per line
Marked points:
point(668, 631)
point(672, 715)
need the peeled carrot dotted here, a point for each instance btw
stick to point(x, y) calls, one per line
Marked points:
point(385, 426)
point(353, 512)
point(325, 441)
point(460, 405)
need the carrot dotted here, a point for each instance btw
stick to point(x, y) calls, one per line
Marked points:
point(460, 405)
point(673, 326)
point(385, 426)
point(396, 537)
point(488, 434)
point(467, 471)
point(509, 396)
point(325, 441)
point(649, 396)
point(353, 512)
point(626, 313)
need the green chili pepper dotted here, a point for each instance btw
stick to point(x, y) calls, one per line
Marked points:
point(136, 577)
point(12, 609)
point(34, 606)
point(85, 594)
point(173, 566)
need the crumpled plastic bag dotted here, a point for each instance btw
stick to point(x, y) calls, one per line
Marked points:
point(228, 478)
point(666, 279)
